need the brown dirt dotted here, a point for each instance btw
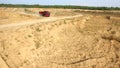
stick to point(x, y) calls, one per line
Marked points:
point(88, 41)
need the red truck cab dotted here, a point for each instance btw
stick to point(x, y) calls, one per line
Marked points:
point(45, 13)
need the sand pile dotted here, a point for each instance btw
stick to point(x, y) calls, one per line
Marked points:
point(83, 42)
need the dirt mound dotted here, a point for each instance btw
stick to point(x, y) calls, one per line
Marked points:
point(82, 42)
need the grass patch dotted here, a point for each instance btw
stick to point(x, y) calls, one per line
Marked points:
point(28, 11)
point(38, 29)
point(117, 23)
point(65, 22)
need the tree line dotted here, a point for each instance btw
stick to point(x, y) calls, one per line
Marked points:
point(59, 6)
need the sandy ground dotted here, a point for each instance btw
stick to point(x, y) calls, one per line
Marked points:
point(69, 39)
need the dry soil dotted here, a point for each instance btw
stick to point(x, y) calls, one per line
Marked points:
point(70, 38)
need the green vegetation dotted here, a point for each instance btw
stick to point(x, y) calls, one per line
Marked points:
point(59, 6)
point(37, 29)
point(28, 11)
point(116, 24)
point(64, 22)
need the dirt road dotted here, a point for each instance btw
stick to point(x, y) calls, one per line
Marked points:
point(29, 22)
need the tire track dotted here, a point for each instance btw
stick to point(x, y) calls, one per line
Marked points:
point(3, 63)
point(30, 22)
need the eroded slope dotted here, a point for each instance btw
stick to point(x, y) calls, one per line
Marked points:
point(83, 42)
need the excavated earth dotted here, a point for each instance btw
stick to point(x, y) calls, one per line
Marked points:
point(89, 41)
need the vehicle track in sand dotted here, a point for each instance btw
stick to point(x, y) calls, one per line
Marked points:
point(30, 22)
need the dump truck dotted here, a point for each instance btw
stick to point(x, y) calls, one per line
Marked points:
point(44, 13)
